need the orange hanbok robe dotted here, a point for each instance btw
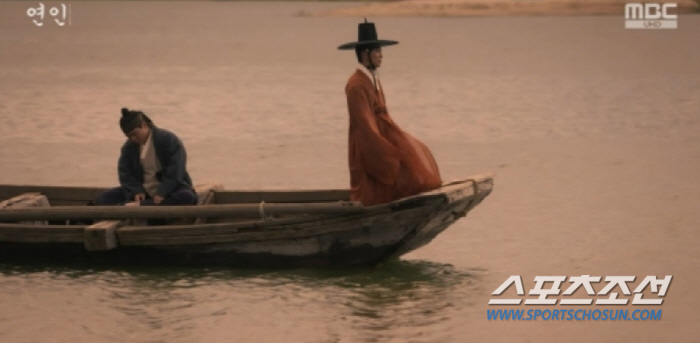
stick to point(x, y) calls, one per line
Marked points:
point(386, 163)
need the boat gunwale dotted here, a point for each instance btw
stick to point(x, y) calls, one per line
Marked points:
point(450, 192)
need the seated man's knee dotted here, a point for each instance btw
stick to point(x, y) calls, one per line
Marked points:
point(183, 197)
point(114, 196)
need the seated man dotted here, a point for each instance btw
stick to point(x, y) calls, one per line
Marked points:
point(386, 163)
point(152, 166)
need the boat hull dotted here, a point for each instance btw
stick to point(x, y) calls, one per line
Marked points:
point(371, 236)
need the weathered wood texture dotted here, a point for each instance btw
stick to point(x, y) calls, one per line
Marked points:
point(349, 237)
point(23, 233)
point(460, 197)
point(102, 235)
point(124, 212)
point(261, 231)
point(236, 197)
point(62, 196)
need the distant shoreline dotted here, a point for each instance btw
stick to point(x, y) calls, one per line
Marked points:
point(461, 8)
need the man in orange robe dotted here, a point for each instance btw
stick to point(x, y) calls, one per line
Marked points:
point(386, 163)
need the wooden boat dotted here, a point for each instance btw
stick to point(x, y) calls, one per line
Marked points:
point(266, 229)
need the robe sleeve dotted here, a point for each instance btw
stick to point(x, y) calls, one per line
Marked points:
point(127, 174)
point(174, 168)
point(381, 158)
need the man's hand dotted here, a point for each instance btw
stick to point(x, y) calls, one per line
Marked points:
point(139, 197)
point(157, 199)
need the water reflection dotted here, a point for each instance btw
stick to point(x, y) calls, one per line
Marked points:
point(393, 301)
point(396, 300)
point(400, 300)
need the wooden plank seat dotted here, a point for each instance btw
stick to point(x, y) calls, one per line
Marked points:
point(103, 234)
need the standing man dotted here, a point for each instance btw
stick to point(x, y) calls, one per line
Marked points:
point(386, 163)
point(152, 166)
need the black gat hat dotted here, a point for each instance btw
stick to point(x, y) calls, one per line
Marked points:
point(366, 36)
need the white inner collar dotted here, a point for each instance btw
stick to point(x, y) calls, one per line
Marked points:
point(372, 74)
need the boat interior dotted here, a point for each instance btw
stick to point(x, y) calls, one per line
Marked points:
point(208, 194)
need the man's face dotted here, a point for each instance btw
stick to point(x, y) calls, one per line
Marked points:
point(139, 135)
point(376, 56)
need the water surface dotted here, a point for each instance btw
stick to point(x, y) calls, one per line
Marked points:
point(591, 129)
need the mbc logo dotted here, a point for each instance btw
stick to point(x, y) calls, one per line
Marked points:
point(650, 16)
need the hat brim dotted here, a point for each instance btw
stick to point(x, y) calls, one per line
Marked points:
point(380, 42)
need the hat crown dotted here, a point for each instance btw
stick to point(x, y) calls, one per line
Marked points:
point(366, 32)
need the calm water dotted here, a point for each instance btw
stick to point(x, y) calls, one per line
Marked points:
point(593, 132)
